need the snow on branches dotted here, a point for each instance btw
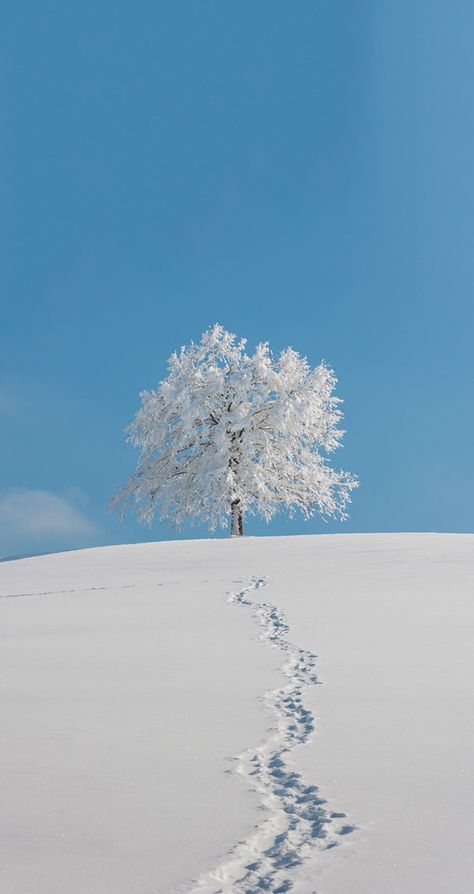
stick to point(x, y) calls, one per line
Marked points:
point(229, 432)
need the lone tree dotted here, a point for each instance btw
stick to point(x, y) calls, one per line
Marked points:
point(229, 432)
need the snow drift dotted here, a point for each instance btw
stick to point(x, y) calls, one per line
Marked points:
point(255, 714)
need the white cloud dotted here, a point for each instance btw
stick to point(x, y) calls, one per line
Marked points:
point(38, 520)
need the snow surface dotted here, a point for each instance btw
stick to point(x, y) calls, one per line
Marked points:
point(134, 678)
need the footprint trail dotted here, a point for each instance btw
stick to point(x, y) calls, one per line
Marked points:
point(298, 819)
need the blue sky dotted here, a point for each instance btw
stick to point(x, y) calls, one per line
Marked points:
point(300, 172)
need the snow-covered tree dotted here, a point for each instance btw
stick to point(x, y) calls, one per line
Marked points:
point(229, 433)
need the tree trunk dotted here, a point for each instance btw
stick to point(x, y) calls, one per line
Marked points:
point(237, 520)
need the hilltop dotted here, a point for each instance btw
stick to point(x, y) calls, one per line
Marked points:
point(331, 675)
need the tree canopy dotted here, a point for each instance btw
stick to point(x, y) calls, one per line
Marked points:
point(228, 433)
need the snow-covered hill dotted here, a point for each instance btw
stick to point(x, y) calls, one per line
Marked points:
point(243, 715)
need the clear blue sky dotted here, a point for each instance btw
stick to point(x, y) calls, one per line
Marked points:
point(300, 172)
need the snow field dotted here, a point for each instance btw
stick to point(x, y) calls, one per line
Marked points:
point(241, 715)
